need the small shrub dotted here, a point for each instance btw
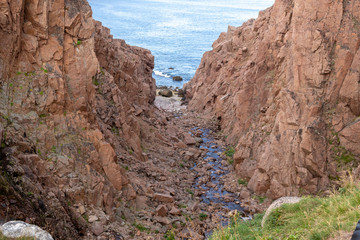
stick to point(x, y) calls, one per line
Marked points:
point(182, 205)
point(96, 81)
point(53, 149)
point(190, 192)
point(169, 235)
point(202, 216)
point(230, 151)
point(86, 217)
point(242, 182)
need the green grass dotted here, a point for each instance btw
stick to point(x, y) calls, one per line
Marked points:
point(2, 237)
point(141, 228)
point(312, 218)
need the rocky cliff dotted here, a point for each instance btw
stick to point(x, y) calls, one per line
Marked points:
point(73, 101)
point(285, 90)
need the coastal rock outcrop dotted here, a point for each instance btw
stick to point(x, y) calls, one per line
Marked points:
point(285, 90)
point(74, 102)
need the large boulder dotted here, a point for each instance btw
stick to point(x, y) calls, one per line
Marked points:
point(165, 93)
point(18, 229)
point(278, 203)
point(177, 78)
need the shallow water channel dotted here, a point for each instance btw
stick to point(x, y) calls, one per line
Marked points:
point(214, 192)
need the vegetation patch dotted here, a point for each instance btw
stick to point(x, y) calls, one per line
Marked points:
point(202, 216)
point(312, 218)
point(230, 151)
point(242, 182)
point(141, 228)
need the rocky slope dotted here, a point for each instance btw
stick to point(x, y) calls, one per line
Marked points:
point(74, 105)
point(285, 89)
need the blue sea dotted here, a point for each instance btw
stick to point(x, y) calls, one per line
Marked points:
point(176, 32)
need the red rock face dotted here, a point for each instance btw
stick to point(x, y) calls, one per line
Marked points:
point(283, 86)
point(63, 117)
point(131, 86)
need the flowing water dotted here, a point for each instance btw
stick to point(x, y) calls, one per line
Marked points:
point(177, 32)
point(214, 193)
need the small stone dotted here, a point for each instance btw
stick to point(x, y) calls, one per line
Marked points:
point(188, 139)
point(93, 218)
point(175, 211)
point(161, 211)
point(97, 228)
point(81, 210)
point(180, 145)
point(195, 207)
point(163, 197)
point(199, 140)
point(163, 220)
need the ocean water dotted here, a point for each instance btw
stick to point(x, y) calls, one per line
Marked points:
point(176, 32)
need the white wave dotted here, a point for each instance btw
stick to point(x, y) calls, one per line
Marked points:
point(158, 73)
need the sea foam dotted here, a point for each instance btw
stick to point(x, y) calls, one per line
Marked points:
point(158, 73)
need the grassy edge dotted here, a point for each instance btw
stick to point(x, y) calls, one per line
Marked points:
point(312, 218)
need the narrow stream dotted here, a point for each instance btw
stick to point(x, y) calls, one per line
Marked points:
point(214, 192)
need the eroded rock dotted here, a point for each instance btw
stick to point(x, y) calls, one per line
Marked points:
point(280, 86)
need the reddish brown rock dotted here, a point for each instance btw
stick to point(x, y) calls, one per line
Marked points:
point(188, 139)
point(281, 87)
point(77, 98)
point(175, 211)
point(181, 145)
point(97, 228)
point(163, 197)
point(349, 137)
point(161, 211)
